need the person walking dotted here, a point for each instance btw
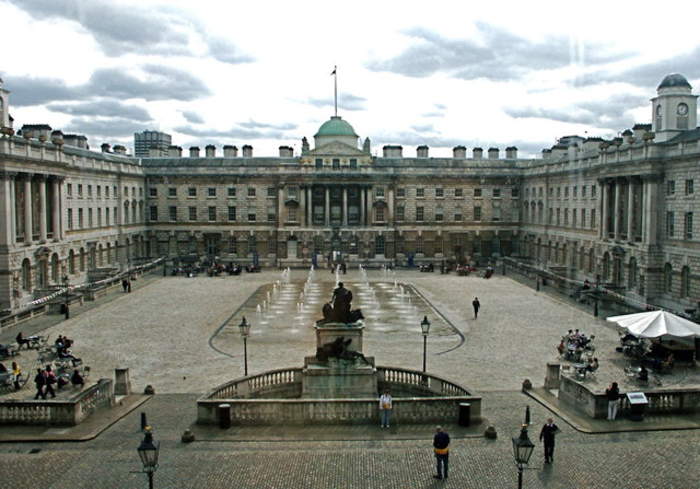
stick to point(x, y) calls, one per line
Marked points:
point(16, 375)
point(40, 382)
point(385, 407)
point(612, 393)
point(124, 284)
point(441, 443)
point(50, 381)
point(476, 305)
point(547, 434)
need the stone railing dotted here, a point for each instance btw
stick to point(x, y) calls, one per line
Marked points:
point(661, 400)
point(399, 379)
point(64, 413)
point(276, 382)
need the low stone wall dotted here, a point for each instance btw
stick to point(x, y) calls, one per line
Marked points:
point(661, 400)
point(273, 398)
point(59, 413)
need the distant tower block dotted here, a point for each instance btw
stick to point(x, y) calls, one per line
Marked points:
point(4, 106)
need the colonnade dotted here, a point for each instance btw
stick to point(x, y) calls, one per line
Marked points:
point(628, 209)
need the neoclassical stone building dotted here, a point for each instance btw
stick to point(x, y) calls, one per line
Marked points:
point(620, 211)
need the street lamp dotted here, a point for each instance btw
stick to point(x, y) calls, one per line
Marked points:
point(148, 452)
point(425, 329)
point(522, 451)
point(245, 331)
point(65, 297)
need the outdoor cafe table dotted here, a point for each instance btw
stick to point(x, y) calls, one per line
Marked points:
point(580, 369)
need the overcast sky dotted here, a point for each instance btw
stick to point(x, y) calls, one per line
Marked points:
point(257, 72)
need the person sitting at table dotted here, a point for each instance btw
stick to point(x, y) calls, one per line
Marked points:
point(66, 353)
point(21, 340)
point(643, 375)
point(592, 365)
point(561, 348)
point(77, 379)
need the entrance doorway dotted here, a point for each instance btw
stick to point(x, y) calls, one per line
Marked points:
point(292, 247)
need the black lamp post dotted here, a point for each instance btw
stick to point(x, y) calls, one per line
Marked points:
point(522, 451)
point(425, 329)
point(66, 312)
point(245, 331)
point(148, 452)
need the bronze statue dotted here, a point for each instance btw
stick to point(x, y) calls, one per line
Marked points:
point(338, 310)
point(338, 348)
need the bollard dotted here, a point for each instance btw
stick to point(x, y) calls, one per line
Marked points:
point(143, 421)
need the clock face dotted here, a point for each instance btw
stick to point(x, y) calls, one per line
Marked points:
point(682, 109)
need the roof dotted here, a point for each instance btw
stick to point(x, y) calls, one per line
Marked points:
point(336, 126)
point(674, 80)
point(685, 136)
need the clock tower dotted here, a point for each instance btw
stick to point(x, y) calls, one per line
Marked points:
point(674, 109)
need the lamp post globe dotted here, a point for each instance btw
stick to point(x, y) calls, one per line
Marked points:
point(425, 330)
point(148, 453)
point(522, 451)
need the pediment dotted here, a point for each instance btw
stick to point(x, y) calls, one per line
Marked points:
point(336, 148)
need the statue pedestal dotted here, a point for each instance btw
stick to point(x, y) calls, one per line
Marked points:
point(339, 378)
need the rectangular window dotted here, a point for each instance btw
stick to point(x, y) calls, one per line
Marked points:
point(192, 192)
point(319, 163)
point(271, 213)
point(99, 191)
point(583, 218)
point(592, 216)
point(336, 163)
point(566, 192)
point(353, 162)
point(69, 190)
point(232, 191)
point(154, 213)
point(380, 213)
point(477, 213)
point(379, 192)
point(126, 191)
point(497, 193)
point(670, 187)
point(70, 218)
point(566, 217)
point(231, 213)
point(192, 213)
point(477, 192)
point(172, 192)
point(574, 217)
point(400, 213)
point(558, 192)
point(107, 222)
point(688, 225)
point(689, 187)
point(583, 190)
point(293, 193)
point(80, 190)
point(459, 192)
point(89, 191)
point(515, 192)
point(594, 191)
point(292, 214)
point(458, 216)
point(212, 213)
point(251, 191)
point(420, 213)
point(172, 210)
point(271, 192)
point(420, 192)
point(669, 224)
point(575, 191)
point(401, 192)
point(211, 192)
point(106, 192)
point(90, 218)
point(439, 192)
point(439, 215)
point(80, 219)
point(251, 217)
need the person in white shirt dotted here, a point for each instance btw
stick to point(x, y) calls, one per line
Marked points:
point(385, 407)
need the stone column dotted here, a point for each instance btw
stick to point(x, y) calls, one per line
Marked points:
point(327, 208)
point(7, 209)
point(56, 208)
point(28, 222)
point(345, 206)
point(604, 197)
point(650, 213)
point(363, 211)
point(390, 199)
point(42, 209)
point(302, 206)
point(370, 201)
point(280, 205)
point(630, 210)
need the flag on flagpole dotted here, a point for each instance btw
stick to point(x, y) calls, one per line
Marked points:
point(334, 70)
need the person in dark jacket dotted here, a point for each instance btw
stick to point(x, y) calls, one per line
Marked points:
point(40, 382)
point(612, 393)
point(476, 305)
point(549, 430)
point(441, 443)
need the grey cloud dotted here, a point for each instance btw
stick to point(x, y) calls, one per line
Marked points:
point(162, 83)
point(104, 108)
point(233, 133)
point(345, 101)
point(265, 125)
point(133, 29)
point(650, 75)
point(105, 127)
point(423, 128)
point(497, 55)
point(192, 117)
point(28, 90)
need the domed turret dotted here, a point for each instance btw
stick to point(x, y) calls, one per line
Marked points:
point(674, 80)
point(674, 109)
point(336, 129)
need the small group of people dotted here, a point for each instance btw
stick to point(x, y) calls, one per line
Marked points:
point(63, 351)
point(15, 374)
point(22, 341)
point(46, 378)
point(574, 343)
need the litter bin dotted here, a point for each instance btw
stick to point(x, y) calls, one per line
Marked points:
point(638, 403)
point(465, 413)
point(224, 416)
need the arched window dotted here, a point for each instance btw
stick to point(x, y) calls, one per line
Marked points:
point(71, 262)
point(668, 278)
point(82, 259)
point(632, 274)
point(26, 274)
point(658, 117)
point(685, 281)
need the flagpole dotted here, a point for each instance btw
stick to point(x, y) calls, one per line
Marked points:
point(335, 89)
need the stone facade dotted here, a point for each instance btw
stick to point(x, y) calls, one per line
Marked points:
point(618, 211)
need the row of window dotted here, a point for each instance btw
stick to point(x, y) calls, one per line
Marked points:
point(212, 192)
point(539, 191)
point(535, 214)
point(687, 225)
point(98, 191)
point(211, 214)
point(457, 192)
point(335, 163)
point(671, 187)
point(94, 216)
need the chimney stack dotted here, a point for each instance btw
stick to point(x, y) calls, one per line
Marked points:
point(230, 151)
point(194, 151)
point(174, 151)
point(493, 153)
point(105, 147)
point(459, 152)
point(422, 151)
point(119, 149)
point(511, 153)
point(286, 152)
point(247, 151)
point(477, 153)
point(393, 151)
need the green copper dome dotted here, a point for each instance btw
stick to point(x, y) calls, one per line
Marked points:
point(336, 127)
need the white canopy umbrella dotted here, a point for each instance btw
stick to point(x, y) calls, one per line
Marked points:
point(657, 323)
